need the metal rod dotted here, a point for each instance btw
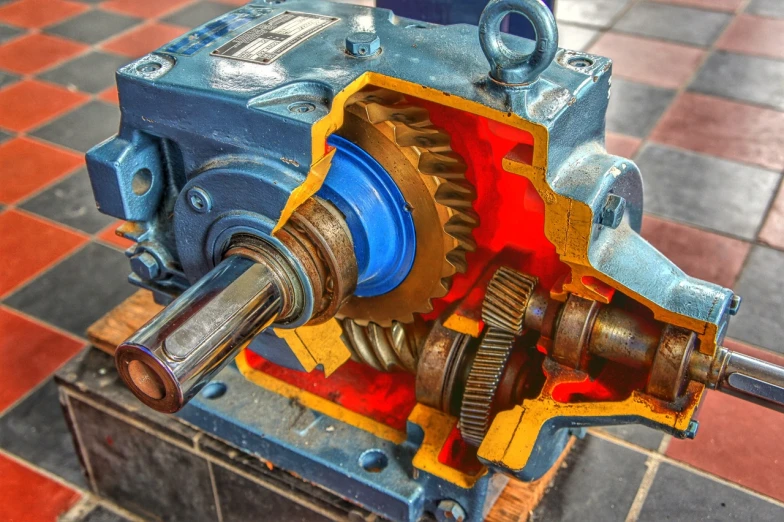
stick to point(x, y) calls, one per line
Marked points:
point(167, 361)
point(742, 376)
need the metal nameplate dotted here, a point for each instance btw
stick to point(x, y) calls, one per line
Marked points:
point(268, 41)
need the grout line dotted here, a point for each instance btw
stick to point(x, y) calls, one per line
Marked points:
point(214, 485)
point(687, 467)
point(41, 471)
point(647, 480)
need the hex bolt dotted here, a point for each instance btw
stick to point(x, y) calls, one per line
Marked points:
point(362, 45)
point(691, 431)
point(612, 212)
point(450, 511)
point(145, 266)
point(199, 200)
point(735, 304)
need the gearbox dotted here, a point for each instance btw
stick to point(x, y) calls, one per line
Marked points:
point(414, 230)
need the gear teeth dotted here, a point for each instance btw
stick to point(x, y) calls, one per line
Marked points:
point(383, 348)
point(482, 384)
point(506, 299)
point(412, 128)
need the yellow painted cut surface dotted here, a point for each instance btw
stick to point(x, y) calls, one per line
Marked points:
point(319, 404)
point(319, 344)
point(464, 325)
point(511, 438)
point(311, 185)
point(437, 427)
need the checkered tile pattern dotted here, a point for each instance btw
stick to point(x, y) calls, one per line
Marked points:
point(697, 102)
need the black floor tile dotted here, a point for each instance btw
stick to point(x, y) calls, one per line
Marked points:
point(636, 434)
point(84, 127)
point(675, 23)
point(35, 430)
point(596, 13)
point(198, 13)
point(242, 499)
point(141, 472)
point(771, 8)
point(79, 290)
point(635, 108)
point(598, 483)
point(762, 289)
point(93, 72)
point(101, 514)
point(70, 202)
point(7, 32)
point(93, 26)
point(6, 78)
point(706, 191)
point(5, 136)
point(742, 77)
point(678, 494)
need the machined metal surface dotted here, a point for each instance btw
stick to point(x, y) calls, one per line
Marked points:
point(440, 372)
point(174, 355)
point(431, 177)
point(740, 375)
point(389, 348)
point(482, 384)
point(506, 299)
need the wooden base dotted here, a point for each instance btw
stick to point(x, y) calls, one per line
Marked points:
point(516, 502)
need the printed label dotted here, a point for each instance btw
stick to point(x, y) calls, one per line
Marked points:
point(268, 41)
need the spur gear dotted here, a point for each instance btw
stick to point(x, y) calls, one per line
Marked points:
point(482, 384)
point(417, 155)
point(506, 299)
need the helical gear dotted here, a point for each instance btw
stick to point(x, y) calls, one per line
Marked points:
point(482, 384)
point(431, 177)
point(506, 299)
point(383, 348)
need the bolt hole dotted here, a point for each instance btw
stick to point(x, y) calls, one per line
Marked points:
point(214, 390)
point(148, 67)
point(141, 182)
point(373, 460)
point(580, 62)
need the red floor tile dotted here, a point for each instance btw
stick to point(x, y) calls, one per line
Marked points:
point(28, 103)
point(622, 145)
point(714, 5)
point(35, 52)
point(772, 231)
point(737, 440)
point(755, 35)
point(144, 8)
point(109, 235)
point(144, 39)
point(27, 496)
point(695, 251)
point(29, 353)
point(110, 95)
point(29, 245)
point(653, 62)
point(724, 128)
point(27, 165)
point(39, 13)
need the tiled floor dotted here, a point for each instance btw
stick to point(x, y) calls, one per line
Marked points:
point(697, 101)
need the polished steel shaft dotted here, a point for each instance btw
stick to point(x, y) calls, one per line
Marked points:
point(740, 375)
point(178, 351)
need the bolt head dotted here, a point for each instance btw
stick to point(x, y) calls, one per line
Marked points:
point(691, 431)
point(735, 304)
point(612, 212)
point(450, 511)
point(362, 45)
point(145, 266)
